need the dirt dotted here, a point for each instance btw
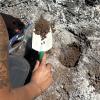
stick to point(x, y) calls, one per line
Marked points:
point(70, 57)
point(42, 27)
point(81, 16)
point(94, 77)
point(90, 2)
point(53, 27)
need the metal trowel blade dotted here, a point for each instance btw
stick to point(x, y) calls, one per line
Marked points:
point(40, 44)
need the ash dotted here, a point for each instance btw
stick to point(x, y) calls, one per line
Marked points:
point(75, 22)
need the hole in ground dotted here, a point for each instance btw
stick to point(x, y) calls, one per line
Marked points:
point(70, 55)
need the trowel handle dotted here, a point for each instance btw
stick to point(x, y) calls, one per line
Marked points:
point(41, 54)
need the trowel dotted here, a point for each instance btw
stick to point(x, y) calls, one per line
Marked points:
point(42, 45)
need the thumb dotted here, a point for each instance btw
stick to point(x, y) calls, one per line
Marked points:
point(36, 65)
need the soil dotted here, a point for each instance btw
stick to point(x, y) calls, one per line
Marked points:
point(83, 18)
point(53, 27)
point(71, 56)
point(94, 77)
point(90, 2)
point(42, 27)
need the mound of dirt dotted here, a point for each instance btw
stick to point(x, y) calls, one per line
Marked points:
point(42, 27)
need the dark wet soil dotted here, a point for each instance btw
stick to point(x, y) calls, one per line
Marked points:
point(70, 57)
point(42, 27)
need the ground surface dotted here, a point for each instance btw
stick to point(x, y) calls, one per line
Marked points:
point(76, 44)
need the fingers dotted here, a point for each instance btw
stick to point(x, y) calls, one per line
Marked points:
point(47, 82)
point(37, 65)
point(48, 70)
point(49, 66)
point(43, 62)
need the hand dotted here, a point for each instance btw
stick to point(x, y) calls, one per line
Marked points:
point(42, 76)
